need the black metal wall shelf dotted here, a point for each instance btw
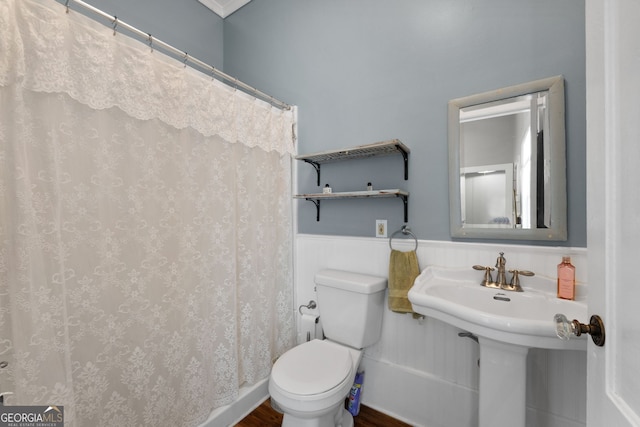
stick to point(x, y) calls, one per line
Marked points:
point(377, 149)
point(317, 197)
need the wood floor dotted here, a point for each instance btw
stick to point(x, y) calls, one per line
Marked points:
point(265, 416)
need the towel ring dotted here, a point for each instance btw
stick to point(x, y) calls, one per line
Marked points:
point(404, 230)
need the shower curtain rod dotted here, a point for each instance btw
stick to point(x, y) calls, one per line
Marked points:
point(154, 42)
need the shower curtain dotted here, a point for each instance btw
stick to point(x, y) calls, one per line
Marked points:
point(145, 233)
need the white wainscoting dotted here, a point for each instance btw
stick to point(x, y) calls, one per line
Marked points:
point(421, 371)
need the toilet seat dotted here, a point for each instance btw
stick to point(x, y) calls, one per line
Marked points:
point(312, 368)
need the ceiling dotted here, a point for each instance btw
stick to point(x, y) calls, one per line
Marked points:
point(224, 8)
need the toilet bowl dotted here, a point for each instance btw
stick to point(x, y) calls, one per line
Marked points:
point(310, 382)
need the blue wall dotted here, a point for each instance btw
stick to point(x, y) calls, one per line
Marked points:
point(363, 71)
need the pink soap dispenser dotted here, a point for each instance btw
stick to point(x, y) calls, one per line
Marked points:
point(566, 279)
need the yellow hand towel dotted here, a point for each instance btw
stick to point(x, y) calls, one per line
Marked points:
point(403, 270)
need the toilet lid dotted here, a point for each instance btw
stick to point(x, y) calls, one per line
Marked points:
point(312, 368)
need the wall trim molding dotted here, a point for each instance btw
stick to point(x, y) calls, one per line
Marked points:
point(250, 398)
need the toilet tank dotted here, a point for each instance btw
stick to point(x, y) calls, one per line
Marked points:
point(351, 306)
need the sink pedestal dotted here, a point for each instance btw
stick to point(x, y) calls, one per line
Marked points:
point(507, 324)
point(502, 388)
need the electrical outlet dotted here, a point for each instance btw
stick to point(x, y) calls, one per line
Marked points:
point(381, 228)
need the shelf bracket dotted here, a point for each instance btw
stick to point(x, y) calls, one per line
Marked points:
point(405, 157)
point(405, 201)
point(316, 166)
point(317, 203)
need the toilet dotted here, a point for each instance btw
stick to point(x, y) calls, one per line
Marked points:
point(310, 382)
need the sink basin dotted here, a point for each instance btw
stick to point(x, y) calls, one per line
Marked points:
point(522, 318)
point(506, 323)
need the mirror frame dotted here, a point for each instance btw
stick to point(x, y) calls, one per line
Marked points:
point(558, 164)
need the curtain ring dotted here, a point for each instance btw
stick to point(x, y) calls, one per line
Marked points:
point(115, 24)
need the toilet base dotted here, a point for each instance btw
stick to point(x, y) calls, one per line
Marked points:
point(339, 417)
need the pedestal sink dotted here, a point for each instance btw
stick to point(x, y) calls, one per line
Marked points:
point(506, 323)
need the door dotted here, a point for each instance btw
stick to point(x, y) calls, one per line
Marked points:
point(613, 209)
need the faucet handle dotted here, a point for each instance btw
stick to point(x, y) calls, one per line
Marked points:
point(488, 280)
point(523, 272)
point(482, 267)
point(515, 279)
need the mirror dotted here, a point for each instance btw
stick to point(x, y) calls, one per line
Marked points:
point(507, 166)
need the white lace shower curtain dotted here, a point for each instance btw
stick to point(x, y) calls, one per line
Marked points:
point(145, 233)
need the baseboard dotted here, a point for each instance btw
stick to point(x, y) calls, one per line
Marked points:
point(417, 398)
point(249, 399)
point(540, 418)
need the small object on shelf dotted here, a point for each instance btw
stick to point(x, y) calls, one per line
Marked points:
point(326, 189)
point(369, 186)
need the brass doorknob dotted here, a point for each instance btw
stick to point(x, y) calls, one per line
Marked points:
point(595, 328)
